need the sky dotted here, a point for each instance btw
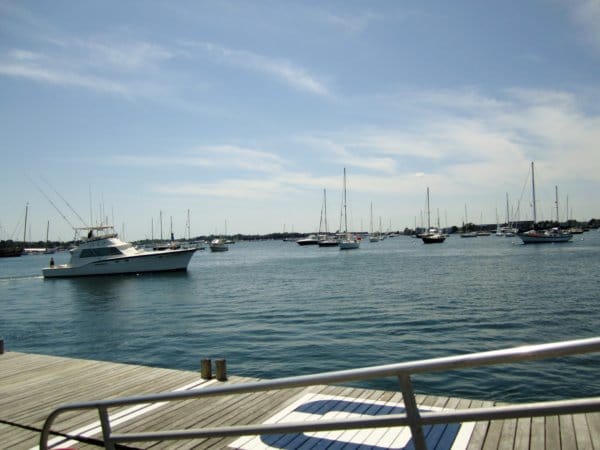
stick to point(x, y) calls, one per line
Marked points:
point(243, 113)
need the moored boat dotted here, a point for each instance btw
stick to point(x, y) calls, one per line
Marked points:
point(433, 235)
point(311, 239)
point(542, 236)
point(325, 239)
point(534, 236)
point(349, 241)
point(103, 253)
point(218, 245)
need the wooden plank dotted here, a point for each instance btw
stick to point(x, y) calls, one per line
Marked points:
point(582, 433)
point(481, 428)
point(538, 434)
point(552, 432)
point(523, 433)
point(507, 437)
point(568, 441)
point(593, 422)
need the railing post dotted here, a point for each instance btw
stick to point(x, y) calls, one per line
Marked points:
point(412, 412)
point(106, 432)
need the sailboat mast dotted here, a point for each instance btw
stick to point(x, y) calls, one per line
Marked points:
point(188, 227)
point(533, 193)
point(345, 210)
point(25, 226)
point(161, 230)
point(428, 212)
point(556, 203)
point(325, 210)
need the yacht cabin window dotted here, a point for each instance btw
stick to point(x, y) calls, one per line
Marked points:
point(102, 251)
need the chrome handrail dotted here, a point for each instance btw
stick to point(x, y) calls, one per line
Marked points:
point(413, 418)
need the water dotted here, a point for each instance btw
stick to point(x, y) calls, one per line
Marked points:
point(274, 309)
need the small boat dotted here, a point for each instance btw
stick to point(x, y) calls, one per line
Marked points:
point(325, 239)
point(433, 235)
point(470, 234)
point(103, 253)
point(328, 241)
point(348, 241)
point(554, 235)
point(218, 245)
point(543, 236)
point(311, 239)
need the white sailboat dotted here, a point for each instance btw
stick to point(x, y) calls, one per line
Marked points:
point(553, 235)
point(432, 235)
point(348, 241)
point(373, 236)
point(325, 239)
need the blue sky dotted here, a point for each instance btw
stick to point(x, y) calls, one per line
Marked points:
point(243, 112)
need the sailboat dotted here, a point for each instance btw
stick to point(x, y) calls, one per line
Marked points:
point(325, 240)
point(432, 235)
point(373, 236)
point(219, 244)
point(534, 236)
point(348, 241)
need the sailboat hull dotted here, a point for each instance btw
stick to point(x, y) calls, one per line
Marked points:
point(349, 245)
point(542, 238)
point(433, 239)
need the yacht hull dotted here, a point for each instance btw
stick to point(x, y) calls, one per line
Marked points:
point(163, 261)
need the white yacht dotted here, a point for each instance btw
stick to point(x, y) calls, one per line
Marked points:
point(103, 253)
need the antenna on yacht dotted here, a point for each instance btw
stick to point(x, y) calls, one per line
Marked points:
point(91, 211)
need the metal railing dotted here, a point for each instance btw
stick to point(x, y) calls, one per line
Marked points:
point(412, 418)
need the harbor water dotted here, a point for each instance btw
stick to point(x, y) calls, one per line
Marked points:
point(274, 309)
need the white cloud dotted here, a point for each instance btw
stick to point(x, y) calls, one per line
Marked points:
point(124, 55)
point(285, 71)
point(21, 68)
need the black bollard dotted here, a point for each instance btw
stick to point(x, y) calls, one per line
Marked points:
point(205, 369)
point(221, 370)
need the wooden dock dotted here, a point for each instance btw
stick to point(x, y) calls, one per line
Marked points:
point(31, 386)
